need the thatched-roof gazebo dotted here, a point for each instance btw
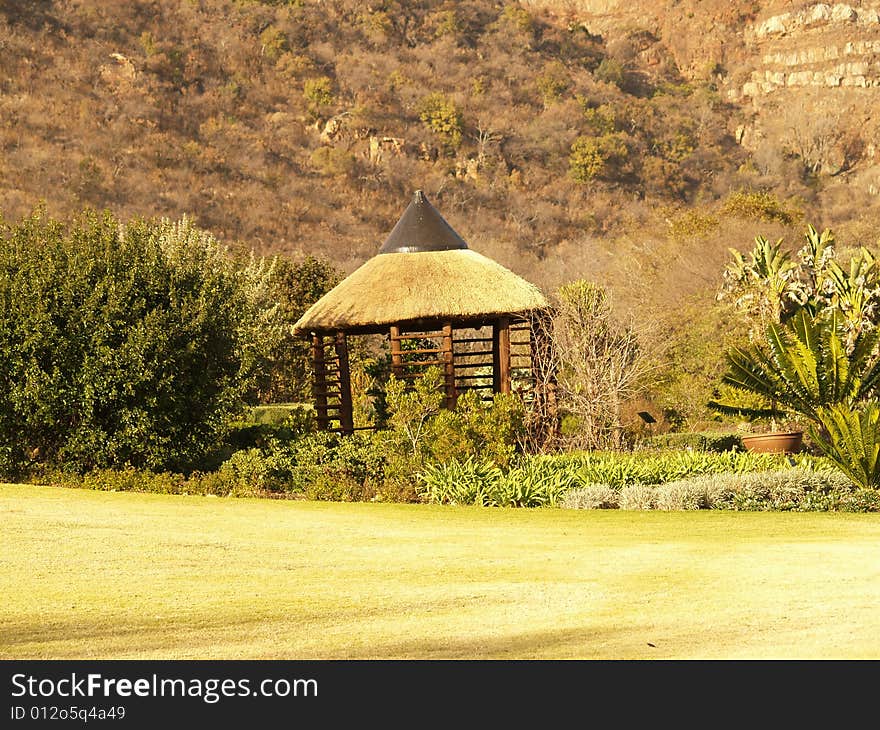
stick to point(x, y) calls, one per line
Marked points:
point(437, 300)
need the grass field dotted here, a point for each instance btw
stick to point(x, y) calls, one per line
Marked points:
point(112, 575)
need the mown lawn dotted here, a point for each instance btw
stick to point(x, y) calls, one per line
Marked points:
point(111, 575)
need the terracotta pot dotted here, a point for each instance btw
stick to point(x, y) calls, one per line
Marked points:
point(776, 442)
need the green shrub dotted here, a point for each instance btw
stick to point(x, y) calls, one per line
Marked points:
point(529, 485)
point(481, 482)
point(757, 205)
point(683, 495)
point(517, 17)
point(489, 429)
point(792, 489)
point(601, 119)
point(329, 466)
point(610, 71)
point(318, 93)
point(597, 157)
point(273, 42)
point(777, 490)
point(257, 470)
point(141, 480)
point(553, 83)
point(124, 344)
point(440, 114)
point(295, 285)
point(277, 414)
point(692, 223)
point(622, 469)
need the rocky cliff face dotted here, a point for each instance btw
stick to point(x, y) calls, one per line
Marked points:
point(810, 83)
point(804, 78)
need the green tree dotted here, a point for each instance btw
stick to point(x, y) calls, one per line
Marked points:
point(295, 286)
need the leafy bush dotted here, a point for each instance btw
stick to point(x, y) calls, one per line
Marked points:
point(443, 118)
point(622, 469)
point(295, 285)
point(529, 485)
point(692, 223)
point(256, 470)
point(610, 71)
point(793, 489)
point(489, 429)
point(124, 344)
point(481, 482)
point(682, 495)
point(553, 83)
point(779, 490)
point(273, 42)
point(548, 480)
point(757, 205)
point(143, 480)
point(298, 415)
point(348, 468)
point(318, 92)
point(597, 157)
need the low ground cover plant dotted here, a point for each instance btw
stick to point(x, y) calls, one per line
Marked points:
point(666, 481)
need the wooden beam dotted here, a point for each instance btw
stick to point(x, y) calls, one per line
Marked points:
point(396, 358)
point(346, 412)
point(501, 357)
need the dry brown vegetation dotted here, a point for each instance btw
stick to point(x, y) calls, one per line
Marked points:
point(302, 127)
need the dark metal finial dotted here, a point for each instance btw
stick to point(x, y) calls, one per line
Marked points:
point(422, 228)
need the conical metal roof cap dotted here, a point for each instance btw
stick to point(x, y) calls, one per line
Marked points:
point(422, 228)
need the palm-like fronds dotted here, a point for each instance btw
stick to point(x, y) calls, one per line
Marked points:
point(804, 365)
point(852, 441)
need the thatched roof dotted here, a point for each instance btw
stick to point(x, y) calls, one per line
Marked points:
point(423, 272)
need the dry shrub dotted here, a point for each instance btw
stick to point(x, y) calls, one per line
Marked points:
point(591, 496)
point(682, 495)
point(638, 497)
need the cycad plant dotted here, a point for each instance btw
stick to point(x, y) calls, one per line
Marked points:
point(850, 437)
point(805, 365)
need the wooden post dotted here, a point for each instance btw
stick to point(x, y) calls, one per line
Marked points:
point(346, 411)
point(448, 365)
point(396, 357)
point(496, 362)
point(319, 382)
point(501, 355)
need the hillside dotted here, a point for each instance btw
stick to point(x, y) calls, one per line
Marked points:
point(595, 139)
